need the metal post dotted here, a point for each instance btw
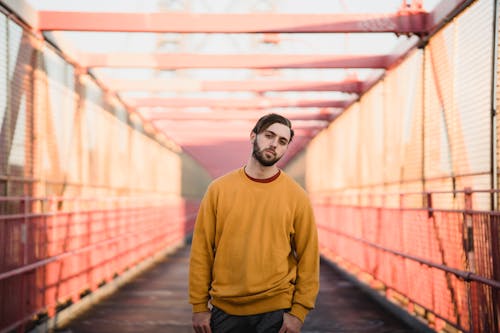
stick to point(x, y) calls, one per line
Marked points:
point(495, 256)
point(24, 204)
point(495, 227)
point(430, 211)
point(468, 246)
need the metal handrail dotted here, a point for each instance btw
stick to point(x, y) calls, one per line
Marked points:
point(464, 275)
point(87, 248)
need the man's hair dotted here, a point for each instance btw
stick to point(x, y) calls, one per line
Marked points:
point(264, 122)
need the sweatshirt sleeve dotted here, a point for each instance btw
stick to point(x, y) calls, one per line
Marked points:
point(202, 254)
point(306, 246)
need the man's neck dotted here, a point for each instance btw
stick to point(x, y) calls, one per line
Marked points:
point(256, 170)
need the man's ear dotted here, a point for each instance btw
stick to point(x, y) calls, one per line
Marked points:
point(252, 137)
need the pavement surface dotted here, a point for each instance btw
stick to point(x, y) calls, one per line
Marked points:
point(157, 301)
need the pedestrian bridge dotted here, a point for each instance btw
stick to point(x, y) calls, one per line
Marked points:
point(157, 301)
point(115, 117)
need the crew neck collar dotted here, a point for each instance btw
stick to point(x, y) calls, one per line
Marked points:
point(265, 180)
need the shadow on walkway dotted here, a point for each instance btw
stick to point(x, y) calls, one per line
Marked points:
point(157, 302)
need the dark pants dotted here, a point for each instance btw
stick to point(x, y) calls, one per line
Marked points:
point(269, 322)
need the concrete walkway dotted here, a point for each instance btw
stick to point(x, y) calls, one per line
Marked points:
point(157, 301)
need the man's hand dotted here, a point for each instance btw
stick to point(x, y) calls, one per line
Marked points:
point(291, 324)
point(201, 322)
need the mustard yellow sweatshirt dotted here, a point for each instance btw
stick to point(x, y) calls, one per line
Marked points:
point(254, 248)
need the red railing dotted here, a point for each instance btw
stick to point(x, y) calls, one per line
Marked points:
point(440, 264)
point(54, 251)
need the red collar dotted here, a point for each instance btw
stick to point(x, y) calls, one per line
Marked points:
point(266, 180)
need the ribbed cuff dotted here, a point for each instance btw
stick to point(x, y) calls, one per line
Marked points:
point(202, 307)
point(299, 311)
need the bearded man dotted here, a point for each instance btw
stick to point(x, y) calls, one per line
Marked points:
point(254, 264)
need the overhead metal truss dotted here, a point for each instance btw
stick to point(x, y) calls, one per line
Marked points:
point(410, 20)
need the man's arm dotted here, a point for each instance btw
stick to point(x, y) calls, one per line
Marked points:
point(202, 255)
point(306, 246)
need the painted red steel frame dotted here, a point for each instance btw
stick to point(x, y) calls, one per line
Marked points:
point(235, 103)
point(247, 115)
point(400, 23)
point(403, 22)
point(347, 85)
point(331, 221)
point(165, 219)
point(465, 275)
point(55, 258)
point(254, 61)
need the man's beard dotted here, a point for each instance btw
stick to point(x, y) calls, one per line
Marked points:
point(258, 154)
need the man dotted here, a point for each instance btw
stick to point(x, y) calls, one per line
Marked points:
point(254, 254)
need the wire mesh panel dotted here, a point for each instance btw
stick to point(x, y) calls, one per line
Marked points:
point(57, 111)
point(424, 228)
point(55, 257)
point(403, 121)
point(370, 148)
point(16, 124)
point(87, 191)
point(417, 258)
point(473, 32)
point(458, 99)
point(340, 140)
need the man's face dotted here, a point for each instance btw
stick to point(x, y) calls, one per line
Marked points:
point(270, 145)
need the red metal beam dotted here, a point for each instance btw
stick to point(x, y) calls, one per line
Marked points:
point(232, 23)
point(198, 130)
point(257, 103)
point(188, 85)
point(183, 61)
point(179, 115)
